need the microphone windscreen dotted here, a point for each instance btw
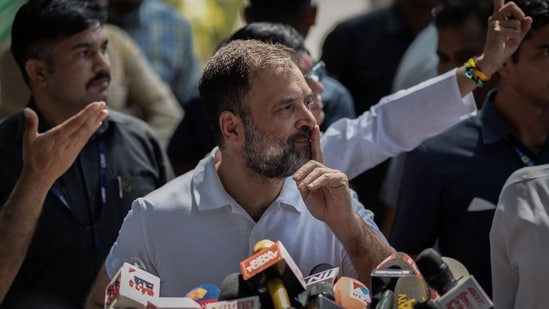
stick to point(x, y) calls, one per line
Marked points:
point(435, 271)
point(409, 291)
point(351, 293)
point(320, 268)
point(204, 294)
point(320, 288)
point(456, 267)
point(234, 287)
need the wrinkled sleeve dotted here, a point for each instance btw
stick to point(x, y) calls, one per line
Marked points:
point(504, 276)
point(399, 122)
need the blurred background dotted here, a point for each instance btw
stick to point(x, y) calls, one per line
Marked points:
point(221, 17)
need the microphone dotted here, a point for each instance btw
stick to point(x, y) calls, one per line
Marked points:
point(172, 303)
point(351, 293)
point(322, 272)
point(271, 266)
point(436, 271)
point(410, 291)
point(387, 272)
point(131, 287)
point(251, 302)
point(464, 292)
point(234, 287)
point(204, 294)
point(386, 301)
point(320, 295)
point(320, 292)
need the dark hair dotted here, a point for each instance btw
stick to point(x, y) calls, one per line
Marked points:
point(229, 74)
point(539, 11)
point(271, 33)
point(279, 10)
point(450, 13)
point(40, 23)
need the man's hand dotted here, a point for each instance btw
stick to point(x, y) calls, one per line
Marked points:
point(506, 28)
point(48, 155)
point(324, 190)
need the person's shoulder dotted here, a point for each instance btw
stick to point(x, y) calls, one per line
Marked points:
point(12, 126)
point(174, 198)
point(175, 195)
point(529, 174)
point(457, 134)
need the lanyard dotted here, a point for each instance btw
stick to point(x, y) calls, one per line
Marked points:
point(102, 178)
point(522, 156)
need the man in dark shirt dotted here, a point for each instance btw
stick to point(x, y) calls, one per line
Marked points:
point(363, 53)
point(52, 251)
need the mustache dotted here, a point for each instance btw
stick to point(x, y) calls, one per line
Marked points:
point(304, 132)
point(99, 76)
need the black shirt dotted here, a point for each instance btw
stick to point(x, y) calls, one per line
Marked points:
point(76, 228)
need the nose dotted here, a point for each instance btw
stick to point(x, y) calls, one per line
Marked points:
point(306, 117)
point(102, 61)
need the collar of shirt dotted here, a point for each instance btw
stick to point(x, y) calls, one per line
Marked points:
point(492, 124)
point(209, 194)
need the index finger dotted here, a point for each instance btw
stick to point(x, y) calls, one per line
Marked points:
point(316, 149)
point(86, 121)
point(498, 4)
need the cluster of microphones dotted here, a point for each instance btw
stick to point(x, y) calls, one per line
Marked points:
point(269, 278)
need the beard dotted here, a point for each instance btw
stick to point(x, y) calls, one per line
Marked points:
point(274, 158)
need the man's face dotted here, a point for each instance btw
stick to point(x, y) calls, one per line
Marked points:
point(279, 123)
point(79, 68)
point(458, 43)
point(528, 76)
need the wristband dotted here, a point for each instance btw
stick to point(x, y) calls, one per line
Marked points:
point(472, 72)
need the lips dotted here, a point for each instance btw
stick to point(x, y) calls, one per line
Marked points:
point(103, 82)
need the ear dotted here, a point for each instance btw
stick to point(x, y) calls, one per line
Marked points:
point(231, 127)
point(311, 18)
point(37, 71)
point(249, 16)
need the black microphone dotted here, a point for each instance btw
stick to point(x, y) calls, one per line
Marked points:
point(319, 291)
point(320, 295)
point(435, 271)
point(454, 293)
point(234, 292)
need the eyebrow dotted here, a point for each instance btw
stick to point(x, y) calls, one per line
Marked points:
point(88, 44)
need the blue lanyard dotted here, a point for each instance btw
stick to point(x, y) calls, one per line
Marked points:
point(102, 178)
point(522, 156)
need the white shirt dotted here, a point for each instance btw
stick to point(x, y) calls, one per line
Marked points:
point(399, 122)
point(519, 241)
point(191, 232)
